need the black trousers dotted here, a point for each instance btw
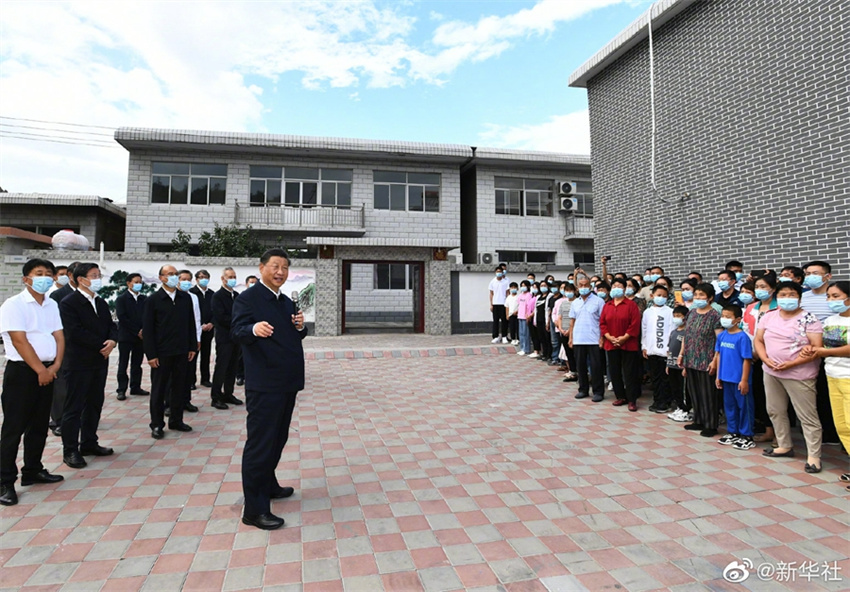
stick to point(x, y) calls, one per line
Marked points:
point(168, 384)
point(545, 339)
point(513, 328)
point(131, 352)
point(705, 398)
point(226, 361)
point(500, 323)
point(589, 355)
point(26, 412)
point(535, 336)
point(57, 408)
point(624, 371)
point(206, 348)
point(83, 406)
point(661, 396)
point(676, 384)
point(571, 358)
point(762, 419)
point(269, 416)
point(240, 366)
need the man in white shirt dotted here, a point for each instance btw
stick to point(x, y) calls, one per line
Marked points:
point(498, 292)
point(60, 279)
point(35, 345)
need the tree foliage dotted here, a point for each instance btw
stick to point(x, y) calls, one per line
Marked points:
point(223, 241)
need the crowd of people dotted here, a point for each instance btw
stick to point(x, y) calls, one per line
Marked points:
point(739, 346)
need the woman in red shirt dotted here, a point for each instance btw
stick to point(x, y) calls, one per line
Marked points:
point(620, 329)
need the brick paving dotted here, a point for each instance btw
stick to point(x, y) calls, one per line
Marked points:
point(462, 467)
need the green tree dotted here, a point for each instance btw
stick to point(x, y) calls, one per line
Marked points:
point(230, 241)
point(181, 243)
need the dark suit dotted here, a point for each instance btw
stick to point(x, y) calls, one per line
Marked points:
point(57, 408)
point(274, 373)
point(205, 299)
point(168, 334)
point(226, 351)
point(85, 368)
point(130, 311)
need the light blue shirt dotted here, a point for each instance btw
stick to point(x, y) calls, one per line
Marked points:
point(586, 314)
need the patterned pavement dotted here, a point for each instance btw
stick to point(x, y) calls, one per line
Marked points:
point(418, 467)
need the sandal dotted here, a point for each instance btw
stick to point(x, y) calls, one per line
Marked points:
point(845, 477)
point(813, 468)
point(772, 453)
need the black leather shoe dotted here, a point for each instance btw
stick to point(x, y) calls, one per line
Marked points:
point(57, 431)
point(74, 460)
point(263, 521)
point(220, 404)
point(157, 434)
point(206, 383)
point(240, 381)
point(140, 392)
point(232, 400)
point(194, 387)
point(41, 477)
point(97, 451)
point(180, 427)
point(581, 395)
point(190, 408)
point(8, 495)
point(282, 493)
point(122, 396)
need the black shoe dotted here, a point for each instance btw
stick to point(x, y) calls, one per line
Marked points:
point(263, 521)
point(695, 427)
point(206, 383)
point(190, 408)
point(157, 434)
point(74, 460)
point(653, 408)
point(122, 396)
point(97, 450)
point(282, 493)
point(597, 398)
point(180, 427)
point(220, 404)
point(232, 400)
point(41, 477)
point(57, 431)
point(8, 495)
point(240, 381)
point(140, 392)
point(708, 433)
point(582, 395)
point(167, 412)
point(194, 387)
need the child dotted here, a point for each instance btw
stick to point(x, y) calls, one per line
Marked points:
point(675, 377)
point(733, 359)
point(656, 325)
point(511, 308)
point(522, 316)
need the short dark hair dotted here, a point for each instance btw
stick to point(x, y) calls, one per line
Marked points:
point(798, 289)
point(83, 269)
point(251, 277)
point(657, 267)
point(619, 281)
point(730, 274)
point(182, 271)
point(132, 276)
point(60, 268)
point(660, 287)
point(276, 252)
point(530, 273)
point(823, 264)
point(525, 283)
point(71, 267)
point(706, 289)
point(734, 263)
point(696, 273)
point(201, 272)
point(498, 268)
point(769, 279)
point(604, 285)
point(734, 309)
point(666, 279)
point(842, 285)
point(681, 309)
point(634, 284)
point(751, 286)
point(513, 285)
point(797, 272)
point(33, 263)
point(688, 282)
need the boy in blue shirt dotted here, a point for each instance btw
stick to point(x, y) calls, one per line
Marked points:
point(733, 359)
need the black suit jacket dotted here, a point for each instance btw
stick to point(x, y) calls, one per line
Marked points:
point(276, 363)
point(205, 303)
point(168, 326)
point(222, 313)
point(59, 294)
point(130, 312)
point(85, 331)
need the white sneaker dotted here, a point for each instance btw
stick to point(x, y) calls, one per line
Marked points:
point(505, 340)
point(610, 386)
point(533, 355)
point(520, 353)
point(677, 413)
point(496, 340)
point(515, 342)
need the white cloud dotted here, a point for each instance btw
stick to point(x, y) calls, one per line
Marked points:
point(568, 133)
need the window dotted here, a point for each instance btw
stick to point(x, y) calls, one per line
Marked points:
point(184, 183)
point(526, 256)
point(393, 276)
point(412, 192)
point(300, 186)
point(585, 205)
point(49, 230)
point(524, 197)
point(585, 261)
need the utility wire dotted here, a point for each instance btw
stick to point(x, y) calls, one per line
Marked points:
point(16, 126)
point(58, 136)
point(77, 142)
point(57, 122)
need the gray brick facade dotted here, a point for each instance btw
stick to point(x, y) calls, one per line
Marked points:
point(752, 108)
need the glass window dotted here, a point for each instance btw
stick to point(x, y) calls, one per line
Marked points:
point(209, 170)
point(414, 192)
point(415, 201)
point(523, 197)
point(267, 172)
point(382, 197)
point(199, 191)
point(337, 175)
point(424, 178)
point(397, 197)
point(179, 190)
point(508, 183)
point(343, 195)
point(328, 194)
point(539, 184)
point(392, 276)
point(432, 199)
point(159, 192)
point(293, 194)
point(273, 192)
point(258, 192)
point(301, 173)
point(511, 257)
point(398, 276)
point(197, 184)
point(170, 168)
point(390, 177)
point(309, 194)
point(539, 257)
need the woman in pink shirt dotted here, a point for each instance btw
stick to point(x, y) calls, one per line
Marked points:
point(782, 342)
point(523, 315)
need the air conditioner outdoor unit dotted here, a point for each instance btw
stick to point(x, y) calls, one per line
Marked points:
point(487, 258)
point(566, 188)
point(568, 204)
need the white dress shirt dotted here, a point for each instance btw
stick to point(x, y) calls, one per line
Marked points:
point(23, 313)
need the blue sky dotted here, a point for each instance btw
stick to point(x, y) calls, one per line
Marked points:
point(478, 73)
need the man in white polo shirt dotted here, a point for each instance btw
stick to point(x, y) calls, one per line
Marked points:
point(32, 334)
point(498, 293)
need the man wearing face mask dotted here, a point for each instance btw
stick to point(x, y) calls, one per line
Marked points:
point(90, 336)
point(498, 291)
point(205, 298)
point(586, 339)
point(185, 285)
point(226, 350)
point(129, 308)
point(60, 280)
point(170, 340)
point(35, 345)
point(655, 274)
point(727, 295)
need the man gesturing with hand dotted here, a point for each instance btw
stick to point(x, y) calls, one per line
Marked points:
point(270, 328)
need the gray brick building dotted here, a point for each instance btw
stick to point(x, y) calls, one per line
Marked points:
point(752, 116)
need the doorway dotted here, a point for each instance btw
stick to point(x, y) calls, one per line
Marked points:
point(383, 297)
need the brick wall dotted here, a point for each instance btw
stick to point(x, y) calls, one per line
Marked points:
point(752, 120)
point(366, 304)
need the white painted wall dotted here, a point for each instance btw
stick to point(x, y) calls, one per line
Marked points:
point(474, 295)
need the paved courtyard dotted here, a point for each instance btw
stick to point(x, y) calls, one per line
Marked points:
point(436, 464)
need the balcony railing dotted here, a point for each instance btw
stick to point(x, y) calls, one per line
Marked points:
point(318, 217)
point(579, 228)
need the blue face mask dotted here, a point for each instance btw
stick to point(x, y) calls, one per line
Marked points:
point(41, 284)
point(739, 276)
point(647, 279)
point(726, 323)
point(687, 295)
point(763, 294)
point(723, 285)
point(544, 289)
point(584, 291)
point(786, 279)
point(813, 281)
point(231, 283)
point(95, 285)
point(498, 276)
point(700, 303)
point(534, 290)
point(523, 289)
point(745, 298)
point(654, 277)
point(513, 290)
point(63, 280)
point(137, 287)
point(172, 281)
point(603, 295)
point(570, 295)
point(837, 306)
point(630, 291)
point(788, 304)
point(617, 292)
point(185, 285)
point(678, 321)
point(203, 282)
point(571, 282)
point(660, 300)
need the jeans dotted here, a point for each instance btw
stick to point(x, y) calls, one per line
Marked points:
point(524, 336)
point(556, 342)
